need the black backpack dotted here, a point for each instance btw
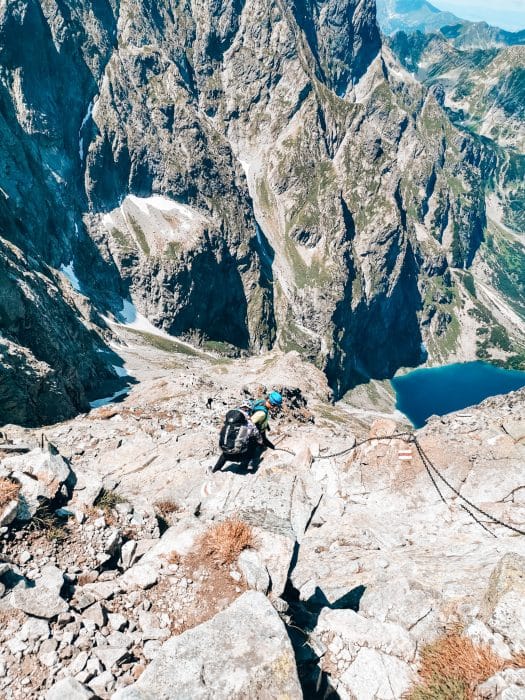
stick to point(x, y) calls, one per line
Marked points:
point(235, 433)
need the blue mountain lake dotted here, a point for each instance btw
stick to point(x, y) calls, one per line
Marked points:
point(440, 390)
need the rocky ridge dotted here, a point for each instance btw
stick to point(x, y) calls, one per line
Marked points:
point(108, 592)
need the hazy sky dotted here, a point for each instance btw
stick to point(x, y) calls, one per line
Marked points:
point(508, 14)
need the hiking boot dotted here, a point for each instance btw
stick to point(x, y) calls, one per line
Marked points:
point(219, 464)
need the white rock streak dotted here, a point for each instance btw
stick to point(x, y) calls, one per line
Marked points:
point(188, 215)
point(121, 371)
point(87, 117)
point(130, 318)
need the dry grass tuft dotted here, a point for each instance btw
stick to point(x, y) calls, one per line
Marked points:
point(173, 558)
point(453, 666)
point(45, 520)
point(8, 491)
point(107, 500)
point(106, 412)
point(166, 507)
point(225, 541)
point(441, 688)
point(518, 660)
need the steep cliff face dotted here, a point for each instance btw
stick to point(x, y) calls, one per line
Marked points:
point(258, 172)
point(51, 59)
point(483, 84)
point(479, 72)
point(292, 121)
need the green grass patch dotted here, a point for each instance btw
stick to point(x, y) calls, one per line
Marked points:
point(165, 344)
point(173, 250)
point(292, 338)
point(468, 283)
point(441, 688)
point(121, 239)
point(506, 260)
point(500, 338)
point(331, 415)
point(45, 520)
point(318, 177)
point(221, 347)
point(139, 235)
point(263, 194)
point(449, 340)
point(314, 275)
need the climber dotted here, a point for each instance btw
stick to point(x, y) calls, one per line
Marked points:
point(243, 437)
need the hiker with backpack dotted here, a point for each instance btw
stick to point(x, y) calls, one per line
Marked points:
point(243, 435)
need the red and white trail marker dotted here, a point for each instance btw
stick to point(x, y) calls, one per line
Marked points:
point(405, 455)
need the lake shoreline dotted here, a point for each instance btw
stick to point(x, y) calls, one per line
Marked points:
point(426, 391)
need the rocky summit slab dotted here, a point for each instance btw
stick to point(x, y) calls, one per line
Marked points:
point(243, 652)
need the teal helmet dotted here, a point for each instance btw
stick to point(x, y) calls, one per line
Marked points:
point(275, 399)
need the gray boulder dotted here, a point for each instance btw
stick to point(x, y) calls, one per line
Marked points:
point(375, 676)
point(481, 635)
point(140, 576)
point(34, 629)
point(508, 575)
point(254, 572)
point(243, 652)
point(505, 685)
point(43, 599)
point(96, 613)
point(69, 689)
point(410, 606)
point(88, 487)
point(8, 513)
point(275, 552)
point(41, 473)
point(128, 554)
point(276, 501)
point(366, 659)
point(508, 619)
point(110, 656)
point(180, 538)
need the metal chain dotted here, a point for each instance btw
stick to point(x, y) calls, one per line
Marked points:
point(479, 521)
point(431, 476)
point(472, 505)
point(430, 467)
point(283, 449)
point(358, 444)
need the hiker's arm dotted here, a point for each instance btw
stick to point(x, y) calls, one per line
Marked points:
point(255, 433)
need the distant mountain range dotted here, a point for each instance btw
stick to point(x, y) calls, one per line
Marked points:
point(419, 15)
point(411, 15)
